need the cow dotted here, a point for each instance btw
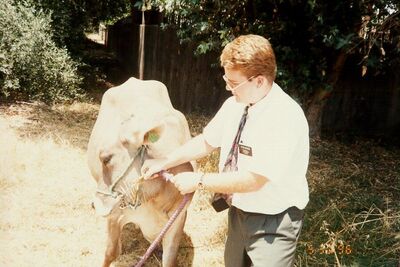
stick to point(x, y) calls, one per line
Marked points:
point(136, 122)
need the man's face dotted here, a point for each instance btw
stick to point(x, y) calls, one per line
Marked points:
point(241, 86)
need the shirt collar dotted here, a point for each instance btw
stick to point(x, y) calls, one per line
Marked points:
point(265, 101)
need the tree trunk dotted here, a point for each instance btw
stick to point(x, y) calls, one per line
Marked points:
point(318, 100)
point(314, 112)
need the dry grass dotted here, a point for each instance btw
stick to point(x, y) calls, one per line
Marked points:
point(46, 189)
point(354, 203)
point(45, 214)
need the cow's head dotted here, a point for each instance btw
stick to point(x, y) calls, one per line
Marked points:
point(138, 136)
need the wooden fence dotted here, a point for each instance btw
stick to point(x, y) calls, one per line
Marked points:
point(194, 82)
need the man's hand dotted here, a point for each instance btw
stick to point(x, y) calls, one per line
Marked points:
point(186, 182)
point(152, 167)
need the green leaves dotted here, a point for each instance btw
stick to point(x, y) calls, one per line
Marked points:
point(143, 5)
point(203, 48)
point(342, 42)
point(31, 65)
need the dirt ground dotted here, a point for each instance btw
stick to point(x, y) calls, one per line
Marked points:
point(45, 214)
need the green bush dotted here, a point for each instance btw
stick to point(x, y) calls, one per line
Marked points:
point(68, 21)
point(31, 65)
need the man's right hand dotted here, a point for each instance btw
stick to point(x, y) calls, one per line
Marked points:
point(152, 167)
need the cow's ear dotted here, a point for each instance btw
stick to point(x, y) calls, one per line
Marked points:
point(153, 135)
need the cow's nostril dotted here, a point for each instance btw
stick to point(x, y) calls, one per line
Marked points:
point(106, 158)
point(124, 141)
point(92, 205)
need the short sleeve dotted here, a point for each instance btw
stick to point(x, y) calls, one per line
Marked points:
point(213, 131)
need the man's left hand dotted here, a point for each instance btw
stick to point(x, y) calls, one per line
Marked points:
point(186, 182)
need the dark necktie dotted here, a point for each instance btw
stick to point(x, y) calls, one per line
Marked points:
point(231, 160)
point(223, 201)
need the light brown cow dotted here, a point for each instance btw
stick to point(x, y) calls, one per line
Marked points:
point(136, 121)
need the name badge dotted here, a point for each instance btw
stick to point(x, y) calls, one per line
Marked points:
point(245, 150)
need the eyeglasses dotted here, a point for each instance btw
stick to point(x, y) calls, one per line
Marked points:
point(230, 88)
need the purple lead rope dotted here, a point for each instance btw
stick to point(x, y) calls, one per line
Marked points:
point(167, 176)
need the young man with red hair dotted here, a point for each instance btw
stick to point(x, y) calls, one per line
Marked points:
point(263, 136)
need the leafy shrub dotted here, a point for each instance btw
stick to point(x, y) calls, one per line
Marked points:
point(70, 19)
point(31, 65)
point(67, 19)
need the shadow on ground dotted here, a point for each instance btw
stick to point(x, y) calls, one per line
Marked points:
point(134, 246)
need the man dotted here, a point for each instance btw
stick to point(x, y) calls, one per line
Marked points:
point(263, 136)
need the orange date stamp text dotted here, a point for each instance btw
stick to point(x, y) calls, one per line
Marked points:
point(327, 249)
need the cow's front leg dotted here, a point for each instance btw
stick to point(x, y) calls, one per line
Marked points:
point(172, 239)
point(113, 248)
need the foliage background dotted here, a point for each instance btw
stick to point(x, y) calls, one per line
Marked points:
point(43, 46)
point(32, 66)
